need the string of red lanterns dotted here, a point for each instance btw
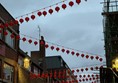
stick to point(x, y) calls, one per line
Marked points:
point(39, 13)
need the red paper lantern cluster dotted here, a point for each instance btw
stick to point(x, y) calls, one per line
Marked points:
point(73, 53)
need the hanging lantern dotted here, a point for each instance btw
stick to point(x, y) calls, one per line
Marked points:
point(67, 51)
point(39, 13)
point(86, 79)
point(5, 33)
point(90, 79)
point(80, 76)
point(26, 63)
point(1, 26)
point(18, 37)
point(97, 57)
point(91, 68)
point(87, 56)
point(100, 59)
point(64, 6)
point(80, 80)
point(88, 75)
point(6, 24)
point(44, 13)
point(35, 42)
point(50, 11)
point(77, 70)
point(96, 68)
point(82, 70)
point(84, 76)
point(73, 71)
point(11, 23)
point(57, 49)
point(83, 80)
point(21, 20)
point(30, 41)
point(92, 75)
point(91, 57)
point(27, 19)
point(77, 54)
point(46, 46)
point(16, 22)
point(32, 17)
point(78, 1)
point(71, 3)
point(57, 8)
point(12, 35)
point(63, 50)
point(24, 39)
point(82, 55)
point(101, 66)
point(86, 69)
point(72, 52)
point(52, 47)
point(93, 78)
point(0, 31)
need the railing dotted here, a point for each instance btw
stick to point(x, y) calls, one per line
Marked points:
point(110, 6)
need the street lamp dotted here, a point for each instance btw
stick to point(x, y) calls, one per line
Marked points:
point(26, 63)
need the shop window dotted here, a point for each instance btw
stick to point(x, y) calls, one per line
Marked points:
point(10, 41)
point(8, 73)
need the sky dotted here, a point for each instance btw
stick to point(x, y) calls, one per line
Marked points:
point(79, 27)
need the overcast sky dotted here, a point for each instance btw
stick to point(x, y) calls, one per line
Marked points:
point(79, 27)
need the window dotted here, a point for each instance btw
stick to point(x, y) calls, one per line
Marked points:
point(10, 41)
point(35, 70)
point(20, 61)
point(8, 73)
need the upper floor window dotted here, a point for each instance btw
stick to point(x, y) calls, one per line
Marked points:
point(10, 41)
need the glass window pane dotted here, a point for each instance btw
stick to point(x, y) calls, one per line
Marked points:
point(8, 73)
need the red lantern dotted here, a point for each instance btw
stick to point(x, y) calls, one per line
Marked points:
point(44, 13)
point(11, 23)
point(86, 79)
point(27, 19)
point(35, 42)
point(72, 52)
point(88, 75)
point(101, 66)
point(93, 78)
point(91, 57)
point(0, 31)
point(64, 6)
point(6, 24)
point(84, 76)
point(92, 75)
point(82, 55)
point(80, 76)
point(52, 47)
point(21, 20)
point(96, 68)
point(32, 17)
point(71, 3)
point(100, 59)
point(86, 69)
point(78, 1)
point(24, 39)
point(82, 70)
point(63, 50)
point(77, 70)
point(77, 54)
point(50, 11)
point(30, 41)
point(67, 51)
point(87, 56)
point(16, 22)
point(57, 8)
point(18, 37)
point(57, 49)
point(90, 79)
point(46, 46)
point(97, 57)
point(5, 33)
point(73, 71)
point(80, 80)
point(83, 80)
point(1, 26)
point(39, 13)
point(91, 68)
point(12, 35)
